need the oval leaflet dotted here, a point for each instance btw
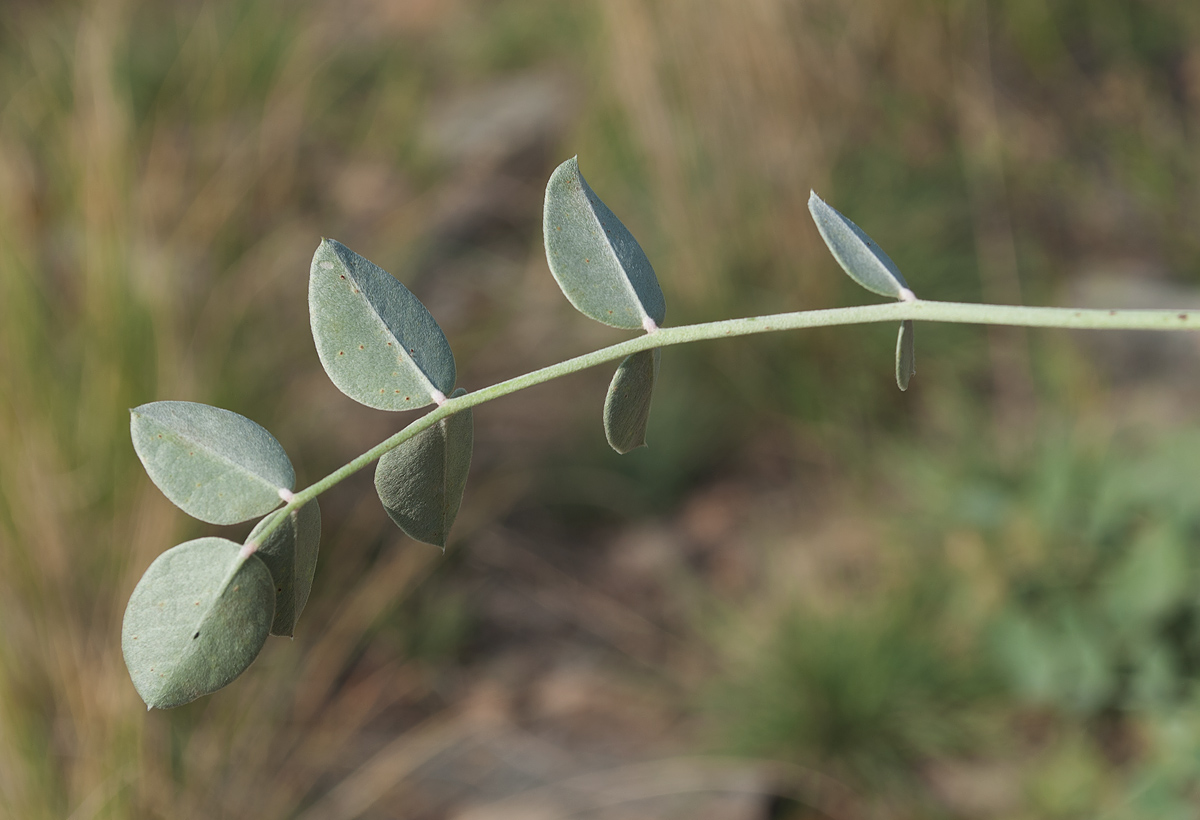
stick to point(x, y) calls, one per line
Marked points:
point(377, 342)
point(290, 554)
point(213, 464)
point(421, 482)
point(597, 263)
point(857, 253)
point(627, 405)
point(198, 617)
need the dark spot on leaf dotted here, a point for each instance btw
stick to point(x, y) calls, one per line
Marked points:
point(407, 398)
point(343, 276)
point(197, 635)
point(389, 344)
point(585, 259)
point(1183, 317)
point(360, 347)
point(412, 350)
point(341, 353)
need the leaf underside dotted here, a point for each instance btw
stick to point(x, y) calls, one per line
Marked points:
point(213, 464)
point(627, 405)
point(377, 342)
point(857, 253)
point(290, 554)
point(906, 363)
point(597, 263)
point(421, 482)
point(186, 632)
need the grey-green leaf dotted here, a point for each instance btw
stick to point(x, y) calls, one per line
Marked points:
point(856, 252)
point(595, 259)
point(906, 363)
point(627, 406)
point(378, 343)
point(213, 464)
point(290, 553)
point(190, 628)
point(421, 482)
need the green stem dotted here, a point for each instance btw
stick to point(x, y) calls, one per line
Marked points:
point(925, 311)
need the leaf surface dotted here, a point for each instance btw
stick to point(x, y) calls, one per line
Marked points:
point(377, 342)
point(906, 363)
point(857, 253)
point(213, 464)
point(187, 631)
point(627, 406)
point(290, 554)
point(596, 261)
point(421, 482)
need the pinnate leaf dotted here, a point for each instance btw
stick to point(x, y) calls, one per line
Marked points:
point(421, 482)
point(290, 554)
point(856, 252)
point(213, 464)
point(906, 365)
point(595, 259)
point(377, 342)
point(627, 406)
point(199, 616)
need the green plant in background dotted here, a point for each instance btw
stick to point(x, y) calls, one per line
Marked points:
point(203, 610)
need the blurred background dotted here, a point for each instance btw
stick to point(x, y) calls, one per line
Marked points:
point(811, 596)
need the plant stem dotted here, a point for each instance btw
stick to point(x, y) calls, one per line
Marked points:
point(925, 311)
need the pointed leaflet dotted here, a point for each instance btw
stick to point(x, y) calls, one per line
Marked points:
point(595, 260)
point(857, 253)
point(213, 464)
point(378, 343)
point(906, 363)
point(627, 406)
point(290, 553)
point(421, 482)
point(199, 616)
